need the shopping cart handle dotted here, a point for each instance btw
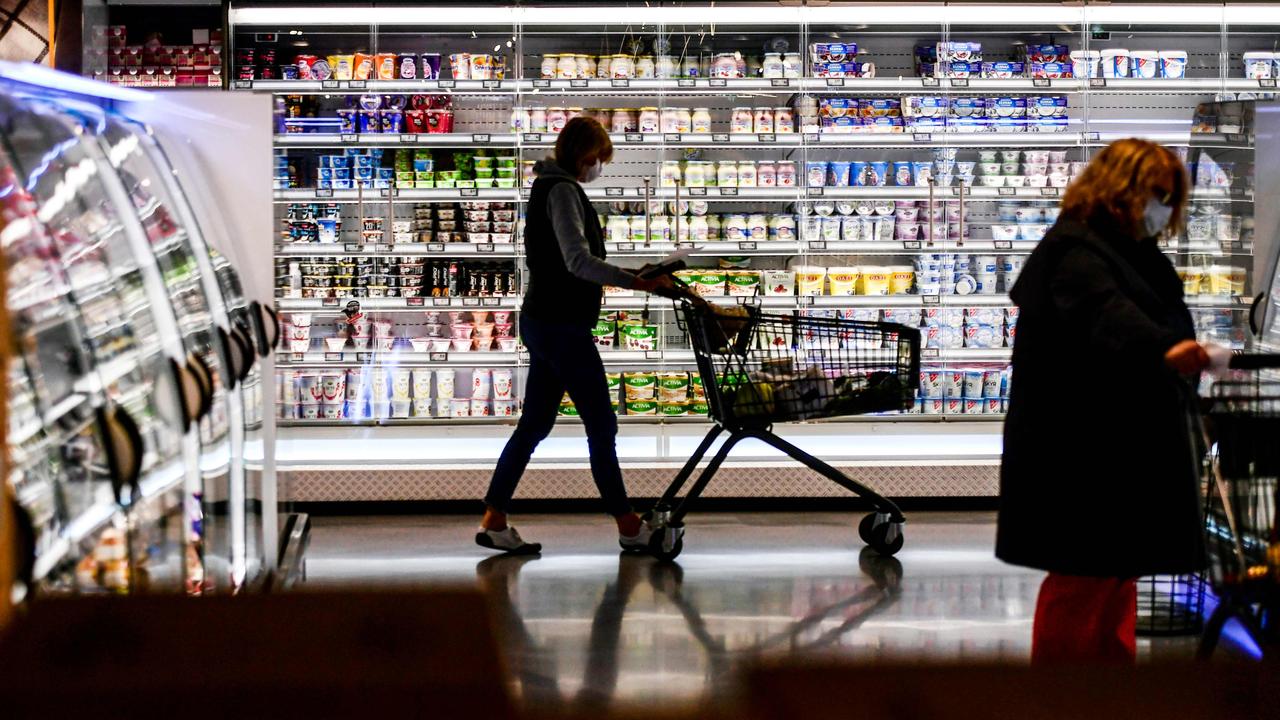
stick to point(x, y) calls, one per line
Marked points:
point(649, 272)
point(1256, 361)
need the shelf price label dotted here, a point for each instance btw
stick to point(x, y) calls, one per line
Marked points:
point(671, 137)
point(922, 137)
point(329, 302)
point(485, 248)
point(930, 353)
point(1267, 83)
point(480, 137)
point(333, 357)
point(812, 137)
point(718, 82)
point(929, 82)
point(389, 192)
point(931, 299)
point(780, 82)
point(746, 245)
point(1041, 82)
point(468, 192)
point(626, 247)
point(414, 302)
point(685, 82)
point(652, 354)
point(408, 139)
point(805, 300)
point(349, 137)
point(297, 357)
point(435, 247)
point(817, 192)
point(471, 302)
point(728, 191)
point(491, 302)
point(542, 83)
point(614, 191)
point(697, 191)
point(634, 137)
point(243, 85)
point(526, 193)
point(446, 84)
point(1003, 245)
point(720, 137)
point(959, 82)
point(1049, 192)
point(364, 357)
point(329, 85)
point(620, 83)
point(1091, 137)
point(767, 138)
point(817, 245)
point(910, 244)
point(579, 83)
point(491, 84)
point(441, 302)
point(835, 82)
point(439, 357)
point(1097, 83)
point(1006, 191)
point(533, 137)
point(357, 84)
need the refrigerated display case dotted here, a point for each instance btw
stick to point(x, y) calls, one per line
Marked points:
point(120, 415)
point(869, 160)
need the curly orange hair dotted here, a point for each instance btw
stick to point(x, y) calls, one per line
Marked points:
point(1119, 180)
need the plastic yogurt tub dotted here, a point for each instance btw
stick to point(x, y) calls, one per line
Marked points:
point(1085, 63)
point(1173, 64)
point(1259, 65)
point(1145, 64)
point(1115, 63)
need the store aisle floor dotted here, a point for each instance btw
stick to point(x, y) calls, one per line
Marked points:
point(581, 624)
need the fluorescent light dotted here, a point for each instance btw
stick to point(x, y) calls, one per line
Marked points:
point(1252, 14)
point(50, 79)
point(936, 15)
point(604, 14)
point(358, 16)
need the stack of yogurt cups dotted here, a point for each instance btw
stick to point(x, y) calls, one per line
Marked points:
point(1122, 63)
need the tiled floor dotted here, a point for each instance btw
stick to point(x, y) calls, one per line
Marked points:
point(582, 624)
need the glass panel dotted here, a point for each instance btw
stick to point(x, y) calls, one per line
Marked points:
point(172, 248)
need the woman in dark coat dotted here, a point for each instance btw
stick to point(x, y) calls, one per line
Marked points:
point(1099, 482)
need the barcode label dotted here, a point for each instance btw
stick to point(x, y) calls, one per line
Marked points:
point(930, 352)
point(389, 192)
point(328, 84)
point(1049, 192)
point(243, 85)
point(1267, 83)
point(329, 302)
point(805, 299)
point(812, 137)
point(652, 354)
point(297, 357)
point(364, 357)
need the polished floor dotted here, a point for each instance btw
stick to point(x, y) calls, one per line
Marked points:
point(582, 624)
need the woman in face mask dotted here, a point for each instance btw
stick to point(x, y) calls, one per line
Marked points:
point(1099, 481)
point(565, 253)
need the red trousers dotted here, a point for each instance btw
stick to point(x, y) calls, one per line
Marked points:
point(1085, 620)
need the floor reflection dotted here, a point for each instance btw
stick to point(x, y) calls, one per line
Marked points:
point(582, 626)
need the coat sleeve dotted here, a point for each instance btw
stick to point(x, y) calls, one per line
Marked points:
point(566, 218)
point(1087, 296)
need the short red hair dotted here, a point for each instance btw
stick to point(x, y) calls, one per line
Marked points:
point(582, 141)
point(1118, 182)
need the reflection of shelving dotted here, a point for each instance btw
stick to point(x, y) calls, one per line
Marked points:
point(399, 304)
point(398, 358)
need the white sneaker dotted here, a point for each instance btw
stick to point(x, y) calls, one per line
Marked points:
point(638, 542)
point(508, 541)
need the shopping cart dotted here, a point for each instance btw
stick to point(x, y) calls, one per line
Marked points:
point(1242, 418)
point(759, 369)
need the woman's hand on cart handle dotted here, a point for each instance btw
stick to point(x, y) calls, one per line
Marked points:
point(1219, 358)
point(1187, 357)
point(661, 285)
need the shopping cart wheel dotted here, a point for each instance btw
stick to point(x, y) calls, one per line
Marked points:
point(876, 530)
point(666, 543)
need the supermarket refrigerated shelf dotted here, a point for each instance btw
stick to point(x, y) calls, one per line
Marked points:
point(397, 358)
point(781, 86)
point(371, 139)
point(298, 428)
point(310, 195)
point(497, 250)
point(418, 304)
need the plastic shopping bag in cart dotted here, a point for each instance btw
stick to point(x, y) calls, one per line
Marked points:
point(724, 324)
point(798, 395)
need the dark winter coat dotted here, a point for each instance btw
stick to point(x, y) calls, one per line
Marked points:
point(1098, 476)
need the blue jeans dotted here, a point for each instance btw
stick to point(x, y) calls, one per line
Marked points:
point(562, 358)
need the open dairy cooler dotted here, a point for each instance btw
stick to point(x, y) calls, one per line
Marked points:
point(121, 420)
point(880, 162)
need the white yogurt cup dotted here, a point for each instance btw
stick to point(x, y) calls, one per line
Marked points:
point(1085, 63)
point(1173, 64)
point(1259, 65)
point(1115, 63)
point(502, 384)
point(481, 383)
point(1145, 64)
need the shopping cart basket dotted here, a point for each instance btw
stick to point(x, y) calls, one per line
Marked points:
point(758, 369)
point(1243, 420)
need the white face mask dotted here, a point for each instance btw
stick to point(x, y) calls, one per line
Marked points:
point(1155, 217)
point(593, 172)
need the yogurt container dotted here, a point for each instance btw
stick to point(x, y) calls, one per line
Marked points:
point(1006, 107)
point(1146, 64)
point(815, 173)
point(1173, 64)
point(1259, 65)
point(1003, 70)
point(1086, 63)
point(1115, 63)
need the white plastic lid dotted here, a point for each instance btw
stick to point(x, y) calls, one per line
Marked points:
point(1112, 52)
point(1259, 55)
point(1086, 54)
point(1144, 53)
